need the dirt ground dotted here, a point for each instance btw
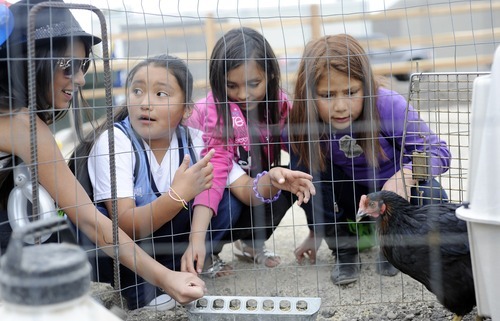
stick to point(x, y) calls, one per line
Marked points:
point(373, 297)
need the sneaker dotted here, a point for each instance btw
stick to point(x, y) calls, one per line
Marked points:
point(385, 268)
point(162, 302)
point(346, 269)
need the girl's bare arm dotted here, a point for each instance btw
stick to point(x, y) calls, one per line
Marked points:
point(59, 181)
point(188, 182)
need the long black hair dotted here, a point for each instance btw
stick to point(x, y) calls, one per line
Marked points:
point(14, 77)
point(232, 50)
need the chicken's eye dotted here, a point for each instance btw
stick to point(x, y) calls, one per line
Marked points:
point(371, 203)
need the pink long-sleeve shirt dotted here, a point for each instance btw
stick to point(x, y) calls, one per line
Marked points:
point(204, 117)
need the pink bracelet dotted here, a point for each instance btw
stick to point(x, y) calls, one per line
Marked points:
point(256, 191)
point(177, 198)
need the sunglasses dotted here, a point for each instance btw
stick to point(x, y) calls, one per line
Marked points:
point(70, 66)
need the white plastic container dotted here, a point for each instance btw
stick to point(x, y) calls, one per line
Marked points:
point(483, 212)
point(82, 309)
point(46, 282)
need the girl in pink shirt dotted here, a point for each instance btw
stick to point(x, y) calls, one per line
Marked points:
point(242, 119)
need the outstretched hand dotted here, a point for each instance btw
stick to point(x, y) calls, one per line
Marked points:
point(296, 182)
point(191, 181)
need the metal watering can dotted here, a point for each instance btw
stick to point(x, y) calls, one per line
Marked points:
point(17, 205)
point(48, 281)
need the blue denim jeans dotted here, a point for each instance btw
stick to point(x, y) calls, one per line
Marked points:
point(252, 224)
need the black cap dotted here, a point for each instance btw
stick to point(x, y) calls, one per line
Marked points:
point(50, 23)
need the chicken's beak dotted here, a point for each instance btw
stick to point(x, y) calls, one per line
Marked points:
point(360, 215)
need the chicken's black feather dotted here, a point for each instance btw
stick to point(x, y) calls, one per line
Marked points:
point(430, 244)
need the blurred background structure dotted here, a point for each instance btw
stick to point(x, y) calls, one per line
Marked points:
point(401, 36)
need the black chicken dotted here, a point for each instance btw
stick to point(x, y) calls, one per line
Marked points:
point(429, 243)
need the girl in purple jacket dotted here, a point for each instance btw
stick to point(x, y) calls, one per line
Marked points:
point(243, 120)
point(347, 131)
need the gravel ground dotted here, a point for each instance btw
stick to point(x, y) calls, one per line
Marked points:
point(373, 297)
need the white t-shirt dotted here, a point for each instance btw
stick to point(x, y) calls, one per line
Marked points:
point(163, 174)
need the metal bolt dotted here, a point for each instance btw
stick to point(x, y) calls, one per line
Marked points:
point(21, 179)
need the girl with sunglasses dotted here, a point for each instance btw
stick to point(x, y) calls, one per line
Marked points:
point(71, 66)
point(62, 48)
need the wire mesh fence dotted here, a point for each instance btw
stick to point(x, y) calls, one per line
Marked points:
point(429, 52)
point(443, 101)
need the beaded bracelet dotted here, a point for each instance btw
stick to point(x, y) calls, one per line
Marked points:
point(256, 191)
point(178, 199)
